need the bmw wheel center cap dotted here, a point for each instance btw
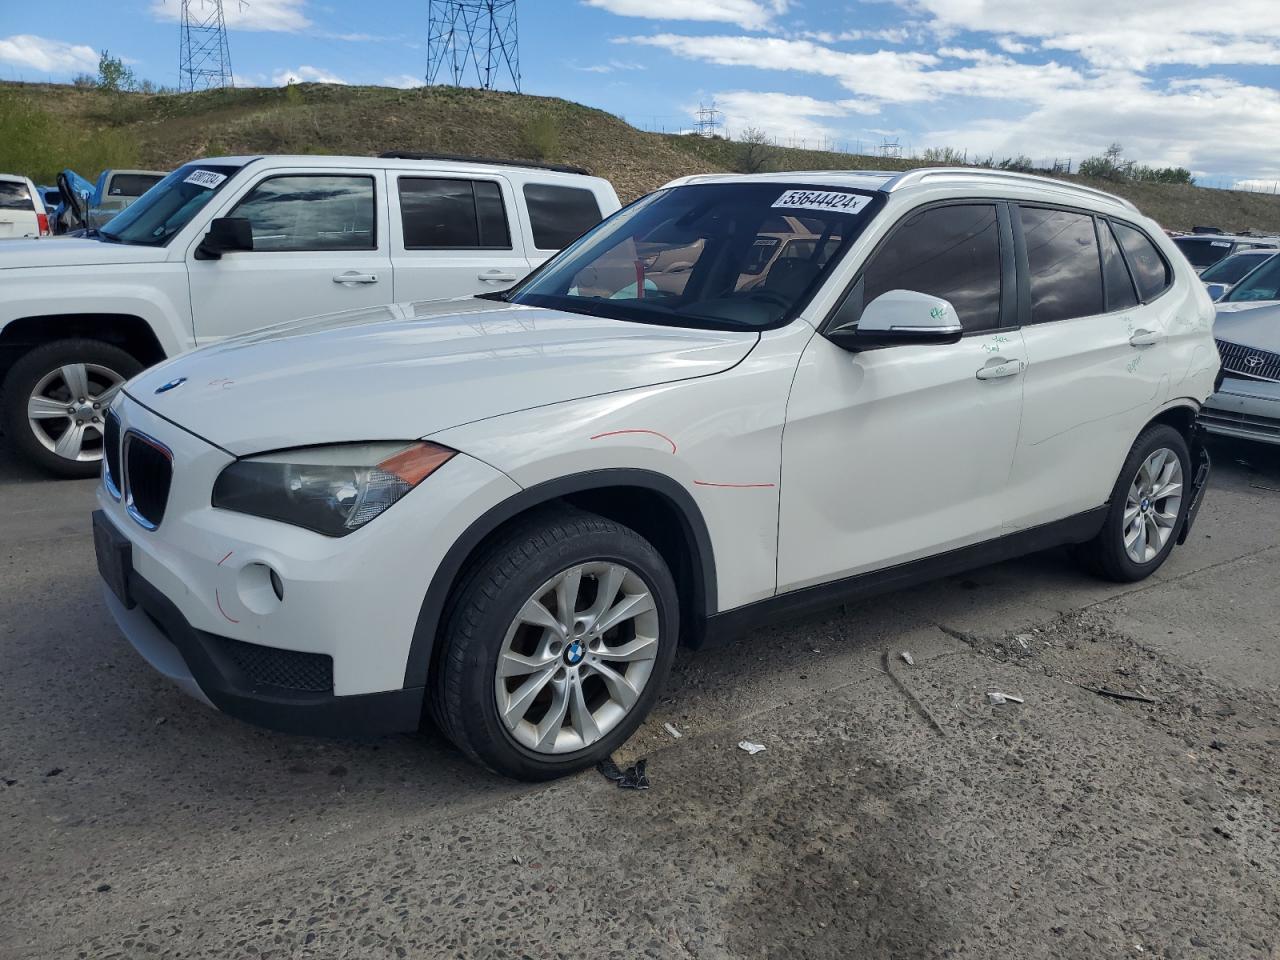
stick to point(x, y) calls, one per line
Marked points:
point(574, 653)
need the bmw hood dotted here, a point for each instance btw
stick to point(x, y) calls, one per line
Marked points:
point(410, 370)
point(73, 252)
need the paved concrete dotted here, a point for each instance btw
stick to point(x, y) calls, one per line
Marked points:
point(892, 815)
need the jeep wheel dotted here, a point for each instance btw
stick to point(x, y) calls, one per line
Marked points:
point(556, 645)
point(55, 399)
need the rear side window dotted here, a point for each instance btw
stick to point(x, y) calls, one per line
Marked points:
point(1120, 292)
point(325, 212)
point(1149, 268)
point(132, 184)
point(559, 215)
point(439, 213)
point(14, 196)
point(951, 252)
point(1062, 255)
point(1199, 252)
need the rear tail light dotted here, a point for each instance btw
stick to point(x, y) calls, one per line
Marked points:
point(43, 220)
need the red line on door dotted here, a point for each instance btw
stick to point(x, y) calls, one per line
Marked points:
point(708, 483)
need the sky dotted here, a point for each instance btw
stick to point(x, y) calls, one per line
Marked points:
point(1187, 83)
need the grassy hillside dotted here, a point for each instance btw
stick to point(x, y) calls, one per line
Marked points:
point(45, 127)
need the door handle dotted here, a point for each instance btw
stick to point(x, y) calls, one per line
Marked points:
point(495, 276)
point(352, 277)
point(1000, 368)
point(1145, 338)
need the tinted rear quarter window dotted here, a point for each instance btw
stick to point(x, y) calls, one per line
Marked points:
point(1062, 255)
point(438, 213)
point(559, 215)
point(1200, 252)
point(132, 184)
point(951, 252)
point(14, 196)
point(1149, 268)
point(1120, 291)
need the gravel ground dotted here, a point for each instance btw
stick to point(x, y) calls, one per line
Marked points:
point(894, 812)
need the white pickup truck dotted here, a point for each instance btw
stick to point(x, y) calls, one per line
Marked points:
point(226, 245)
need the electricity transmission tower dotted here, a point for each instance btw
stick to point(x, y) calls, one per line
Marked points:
point(708, 121)
point(204, 58)
point(473, 42)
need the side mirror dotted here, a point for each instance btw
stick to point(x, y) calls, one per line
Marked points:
point(226, 234)
point(1216, 290)
point(900, 317)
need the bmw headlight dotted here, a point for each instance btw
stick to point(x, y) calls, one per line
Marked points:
point(331, 490)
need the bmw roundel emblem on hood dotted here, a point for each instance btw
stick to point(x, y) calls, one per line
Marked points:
point(165, 388)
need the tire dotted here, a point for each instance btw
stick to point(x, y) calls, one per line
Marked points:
point(484, 627)
point(1108, 555)
point(42, 371)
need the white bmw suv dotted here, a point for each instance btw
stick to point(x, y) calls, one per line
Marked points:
point(739, 398)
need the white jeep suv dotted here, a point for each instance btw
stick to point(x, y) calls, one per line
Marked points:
point(666, 435)
point(223, 246)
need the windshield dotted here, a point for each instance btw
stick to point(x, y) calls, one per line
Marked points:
point(1262, 284)
point(1234, 267)
point(1202, 253)
point(169, 206)
point(719, 255)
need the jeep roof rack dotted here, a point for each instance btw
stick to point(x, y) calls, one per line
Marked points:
point(909, 177)
point(460, 158)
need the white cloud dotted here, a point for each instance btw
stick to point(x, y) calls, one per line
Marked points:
point(405, 81)
point(1258, 186)
point(47, 56)
point(305, 74)
point(612, 66)
point(748, 14)
point(1010, 45)
point(284, 16)
point(784, 116)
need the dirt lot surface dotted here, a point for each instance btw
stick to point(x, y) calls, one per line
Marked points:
point(894, 812)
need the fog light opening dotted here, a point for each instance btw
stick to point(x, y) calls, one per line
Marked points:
point(277, 584)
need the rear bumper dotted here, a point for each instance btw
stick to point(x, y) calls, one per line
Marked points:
point(200, 664)
point(1246, 409)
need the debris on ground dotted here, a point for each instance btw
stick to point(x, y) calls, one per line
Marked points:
point(1121, 695)
point(517, 859)
point(672, 730)
point(996, 698)
point(632, 778)
point(1023, 640)
point(907, 658)
point(751, 748)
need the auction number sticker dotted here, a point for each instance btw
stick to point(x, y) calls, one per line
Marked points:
point(206, 178)
point(832, 200)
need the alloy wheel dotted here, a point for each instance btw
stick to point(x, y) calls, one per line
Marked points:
point(576, 657)
point(1152, 506)
point(67, 407)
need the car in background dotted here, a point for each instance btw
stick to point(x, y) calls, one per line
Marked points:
point(1204, 250)
point(230, 244)
point(22, 212)
point(1247, 404)
point(1226, 273)
point(1260, 287)
point(116, 189)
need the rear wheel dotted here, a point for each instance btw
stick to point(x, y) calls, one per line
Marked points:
point(56, 398)
point(1148, 506)
point(556, 645)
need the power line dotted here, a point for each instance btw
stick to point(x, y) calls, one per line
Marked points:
point(473, 43)
point(204, 57)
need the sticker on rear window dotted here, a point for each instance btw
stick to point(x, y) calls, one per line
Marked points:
point(1219, 243)
point(830, 200)
point(206, 178)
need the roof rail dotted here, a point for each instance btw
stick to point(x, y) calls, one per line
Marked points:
point(919, 174)
point(460, 158)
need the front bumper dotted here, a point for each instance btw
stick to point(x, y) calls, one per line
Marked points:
point(1246, 409)
point(207, 666)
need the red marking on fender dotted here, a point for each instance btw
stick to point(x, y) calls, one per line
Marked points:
point(615, 433)
point(740, 486)
point(224, 559)
point(218, 600)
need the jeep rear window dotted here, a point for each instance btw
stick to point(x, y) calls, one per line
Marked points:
point(559, 215)
point(161, 212)
point(14, 196)
point(693, 256)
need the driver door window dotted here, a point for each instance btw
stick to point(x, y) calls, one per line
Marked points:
point(310, 213)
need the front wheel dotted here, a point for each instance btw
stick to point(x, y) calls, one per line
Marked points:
point(1148, 507)
point(556, 645)
point(55, 403)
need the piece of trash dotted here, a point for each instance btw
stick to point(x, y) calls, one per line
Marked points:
point(632, 778)
point(1121, 695)
point(515, 858)
point(672, 730)
point(1023, 641)
point(909, 660)
point(995, 698)
point(751, 748)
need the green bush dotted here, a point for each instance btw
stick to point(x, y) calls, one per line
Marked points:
point(540, 137)
point(34, 144)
